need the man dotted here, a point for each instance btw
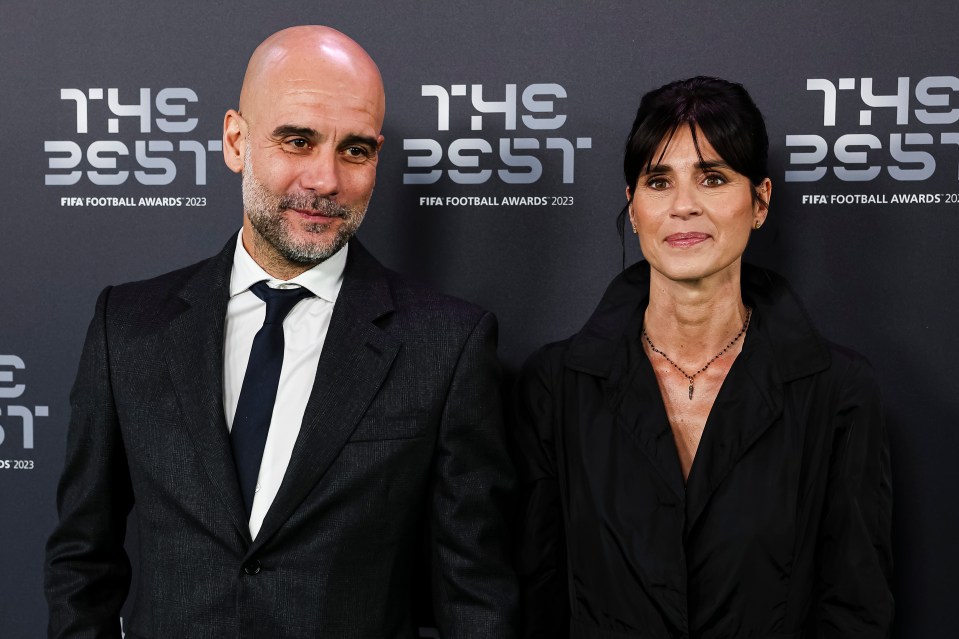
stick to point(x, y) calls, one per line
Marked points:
point(382, 416)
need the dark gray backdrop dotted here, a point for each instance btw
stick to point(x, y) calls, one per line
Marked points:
point(877, 275)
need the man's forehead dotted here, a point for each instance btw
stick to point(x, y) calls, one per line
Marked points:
point(305, 104)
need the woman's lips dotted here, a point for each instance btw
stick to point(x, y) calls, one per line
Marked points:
point(685, 240)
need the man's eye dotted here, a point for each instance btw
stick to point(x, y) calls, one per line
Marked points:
point(299, 143)
point(357, 153)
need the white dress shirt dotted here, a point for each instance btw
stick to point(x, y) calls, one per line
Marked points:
point(304, 333)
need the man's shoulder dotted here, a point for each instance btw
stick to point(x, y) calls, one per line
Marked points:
point(423, 314)
point(414, 296)
point(159, 287)
point(413, 300)
point(159, 298)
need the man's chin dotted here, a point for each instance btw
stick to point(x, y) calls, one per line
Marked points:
point(326, 227)
point(312, 252)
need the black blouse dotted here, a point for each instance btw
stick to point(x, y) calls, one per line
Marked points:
point(783, 527)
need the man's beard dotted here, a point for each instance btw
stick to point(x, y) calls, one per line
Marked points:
point(265, 210)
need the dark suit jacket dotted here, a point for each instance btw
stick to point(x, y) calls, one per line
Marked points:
point(783, 527)
point(402, 438)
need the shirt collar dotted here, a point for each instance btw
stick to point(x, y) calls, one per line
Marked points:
point(323, 280)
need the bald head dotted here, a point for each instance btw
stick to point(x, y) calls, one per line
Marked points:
point(308, 57)
point(306, 138)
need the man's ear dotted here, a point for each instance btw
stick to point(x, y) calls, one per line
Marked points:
point(234, 140)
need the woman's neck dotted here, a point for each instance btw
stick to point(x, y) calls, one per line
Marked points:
point(692, 321)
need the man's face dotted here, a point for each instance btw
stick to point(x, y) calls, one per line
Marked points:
point(304, 228)
point(309, 132)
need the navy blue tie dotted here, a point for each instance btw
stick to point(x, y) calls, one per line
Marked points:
point(254, 410)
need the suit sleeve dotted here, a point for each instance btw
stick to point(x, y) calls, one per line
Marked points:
point(541, 542)
point(474, 585)
point(855, 546)
point(87, 570)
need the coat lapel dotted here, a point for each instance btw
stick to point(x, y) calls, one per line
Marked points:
point(608, 347)
point(643, 414)
point(749, 402)
point(194, 354)
point(782, 345)
point(357, 356)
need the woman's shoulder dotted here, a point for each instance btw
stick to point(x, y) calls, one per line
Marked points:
point(547, 360)
point(799, 347)
point(852, 372)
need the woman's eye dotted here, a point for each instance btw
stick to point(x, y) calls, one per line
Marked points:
point(657, 183)
point(714, 180)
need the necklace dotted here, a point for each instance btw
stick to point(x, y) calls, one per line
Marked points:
point(691, 378)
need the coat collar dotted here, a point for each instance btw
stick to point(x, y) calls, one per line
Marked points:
point(796, 347)
point(781, 345)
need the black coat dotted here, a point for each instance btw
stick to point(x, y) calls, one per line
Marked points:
point(783, 528)
point(401, 449)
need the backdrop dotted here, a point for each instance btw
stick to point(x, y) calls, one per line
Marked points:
point(499, 182)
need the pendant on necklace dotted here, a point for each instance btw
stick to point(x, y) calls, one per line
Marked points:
point(691, 378)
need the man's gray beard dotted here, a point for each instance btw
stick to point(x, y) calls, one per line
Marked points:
point(265, 210)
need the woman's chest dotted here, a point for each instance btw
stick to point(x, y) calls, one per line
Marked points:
point(749, 488)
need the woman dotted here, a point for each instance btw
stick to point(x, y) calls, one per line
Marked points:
point(697, 460)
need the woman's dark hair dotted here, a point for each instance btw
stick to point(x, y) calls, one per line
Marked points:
point(723, 111)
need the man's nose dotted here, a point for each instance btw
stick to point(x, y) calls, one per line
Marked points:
point(321, 173)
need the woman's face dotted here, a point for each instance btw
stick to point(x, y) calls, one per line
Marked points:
point(694, 223)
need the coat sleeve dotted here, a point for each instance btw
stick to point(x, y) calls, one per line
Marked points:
point(541, 540)
point(87, 574)
point(855, 546)
point(474, 584)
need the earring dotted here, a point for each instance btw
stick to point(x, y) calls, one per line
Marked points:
point(758, 224)
point(634, 229)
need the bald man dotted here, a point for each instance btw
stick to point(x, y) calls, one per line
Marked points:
point(290, 423)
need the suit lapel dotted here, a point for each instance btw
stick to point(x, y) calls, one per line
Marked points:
point(194, 354)
point(357, 356)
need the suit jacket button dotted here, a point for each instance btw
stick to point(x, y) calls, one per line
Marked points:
point(252, 567)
